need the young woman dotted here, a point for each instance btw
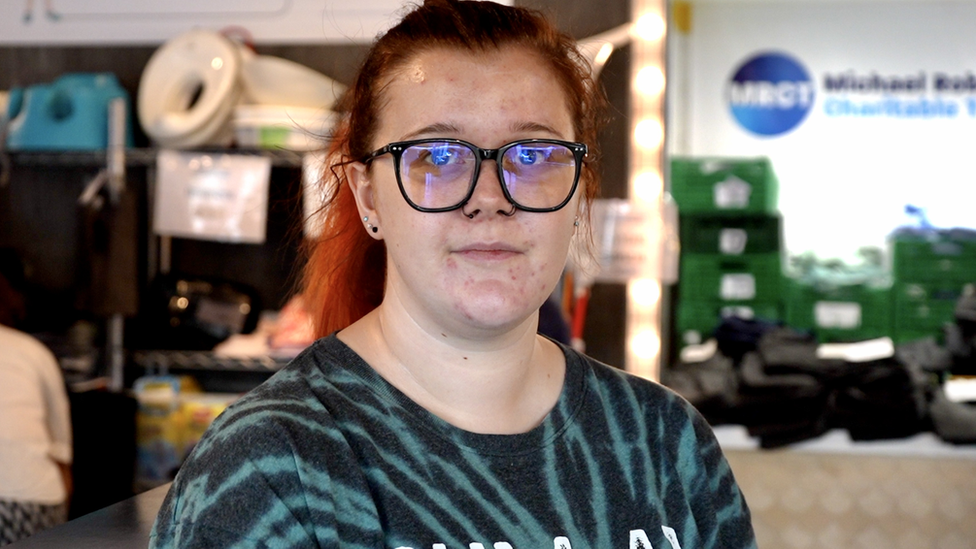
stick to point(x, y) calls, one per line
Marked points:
point(431, 414)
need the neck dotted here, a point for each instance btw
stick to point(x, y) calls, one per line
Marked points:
point(500, 382)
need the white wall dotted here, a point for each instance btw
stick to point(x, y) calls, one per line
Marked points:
point(844, 180)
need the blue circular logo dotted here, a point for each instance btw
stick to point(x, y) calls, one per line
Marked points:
point(770, 94)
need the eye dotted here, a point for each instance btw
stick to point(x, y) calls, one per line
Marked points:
point(527, 156)
point(441, 156)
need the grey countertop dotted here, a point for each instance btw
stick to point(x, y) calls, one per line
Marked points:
point(123, 525)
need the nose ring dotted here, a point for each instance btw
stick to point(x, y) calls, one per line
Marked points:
point(471, 215)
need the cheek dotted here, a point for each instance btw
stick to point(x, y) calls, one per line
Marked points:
point(553, 261)
point(545, 277)
point(540, 275)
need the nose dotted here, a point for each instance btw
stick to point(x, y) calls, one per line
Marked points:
point(488, 195)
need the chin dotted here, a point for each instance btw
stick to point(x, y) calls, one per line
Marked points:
point(496, 315)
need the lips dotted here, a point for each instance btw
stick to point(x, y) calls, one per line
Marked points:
point(490, 251)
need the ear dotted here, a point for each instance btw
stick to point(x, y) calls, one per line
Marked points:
point(582, 213)
point(357, 175)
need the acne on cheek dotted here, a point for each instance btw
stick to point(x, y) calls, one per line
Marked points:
point(533, 274)
point(542, 269)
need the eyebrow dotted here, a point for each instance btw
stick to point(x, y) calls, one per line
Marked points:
point(442, 128)
point(535, 127)
point(438, 128)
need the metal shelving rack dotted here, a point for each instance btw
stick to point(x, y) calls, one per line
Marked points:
point(164, 361)
point(114, 161)
point(139, 157)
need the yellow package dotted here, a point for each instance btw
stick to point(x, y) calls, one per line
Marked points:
point(198, 411)
point(159, 430)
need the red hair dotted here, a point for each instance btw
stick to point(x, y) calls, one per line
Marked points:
point(345, 268)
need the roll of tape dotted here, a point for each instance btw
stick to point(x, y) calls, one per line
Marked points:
point(188, 90)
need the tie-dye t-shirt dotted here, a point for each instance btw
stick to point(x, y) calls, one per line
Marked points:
point(326, 453)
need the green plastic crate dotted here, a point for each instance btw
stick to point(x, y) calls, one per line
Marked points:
point(925, 306)
point(933, 257)
point(907, 336)
point(730, 234)
point(840, 313)
point(713, 184)
point(696, 320)
point(748, 277)
point(957, 269)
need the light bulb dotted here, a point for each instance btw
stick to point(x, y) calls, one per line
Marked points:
point(645, 344)
point(650, 80)
point(649, 133)
point(647, 186)
point(650, 27)
point(644, 292)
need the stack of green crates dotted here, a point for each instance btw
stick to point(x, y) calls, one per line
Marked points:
point(731, 243)
point(840, 312)
point(930, 269)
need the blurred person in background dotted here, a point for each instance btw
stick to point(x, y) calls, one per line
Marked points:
point(35, 428)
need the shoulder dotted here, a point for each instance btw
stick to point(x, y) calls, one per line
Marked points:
point(294, 405)
point(24, 346)
point(28, 358)
point(649, 412)
point(275, 454)
point(308, 385)
point(619, 388)
point(679, 442)
point(301, 411)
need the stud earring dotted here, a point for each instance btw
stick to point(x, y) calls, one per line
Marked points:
point(576, 222)
point(370, 226)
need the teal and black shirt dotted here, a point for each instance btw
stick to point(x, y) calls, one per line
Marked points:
point(327, 454)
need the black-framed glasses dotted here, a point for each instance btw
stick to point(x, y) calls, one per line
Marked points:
point(439, 175)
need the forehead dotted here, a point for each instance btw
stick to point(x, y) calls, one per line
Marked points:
point(476, 90)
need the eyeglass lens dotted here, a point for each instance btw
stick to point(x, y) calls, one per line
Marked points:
point(440, 174)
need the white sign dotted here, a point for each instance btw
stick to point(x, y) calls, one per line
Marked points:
point(737, 286)
point(862, 107)
point(220, 197)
